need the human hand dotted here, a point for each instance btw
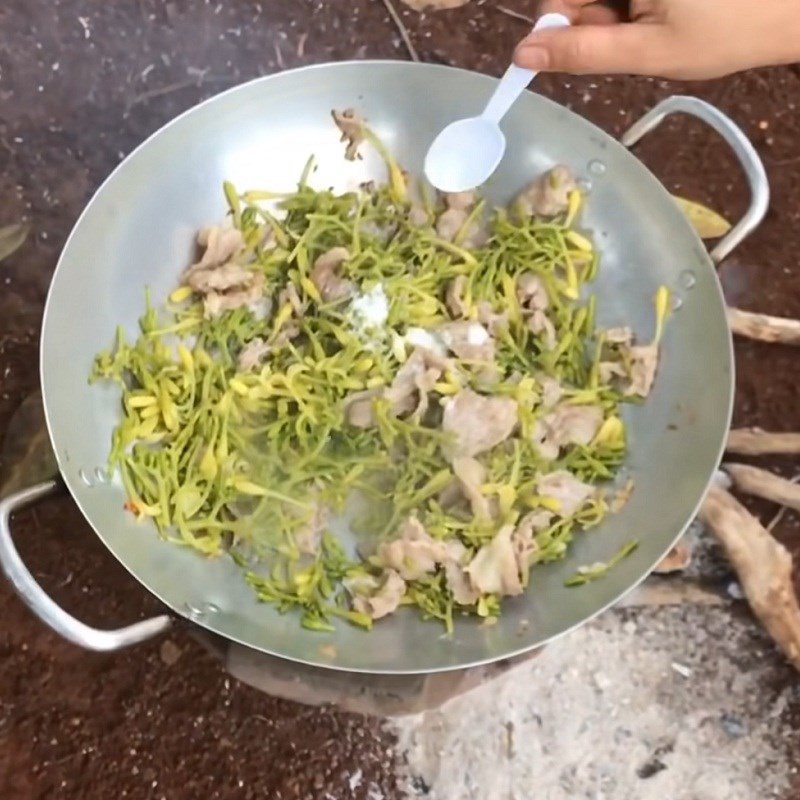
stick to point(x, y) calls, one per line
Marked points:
point(682, 39)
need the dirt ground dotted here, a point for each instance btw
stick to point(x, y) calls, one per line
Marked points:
point(81, 83)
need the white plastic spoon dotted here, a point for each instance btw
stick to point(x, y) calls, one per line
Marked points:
point(466, 153)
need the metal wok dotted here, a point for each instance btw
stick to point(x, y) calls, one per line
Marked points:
point(138, 230)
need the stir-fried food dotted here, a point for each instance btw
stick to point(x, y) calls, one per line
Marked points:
point(415, 367)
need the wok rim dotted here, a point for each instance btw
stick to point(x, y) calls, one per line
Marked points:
point(71, 482)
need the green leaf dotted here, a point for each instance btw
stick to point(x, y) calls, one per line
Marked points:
point(708, 224)
point(12, 237)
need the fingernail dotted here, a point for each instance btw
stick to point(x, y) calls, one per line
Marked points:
point(532, 57)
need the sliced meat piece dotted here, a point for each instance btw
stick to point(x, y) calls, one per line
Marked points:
point(376, 597)
point(460, 585)
point(621, 335)
point(224, 284)
point(494, 569)
point(523, 539)
point(290, 295)
point(461, 201)
point(252, 354)
point(477, 423)
point(219, 278)
point(418, 217)
point(541, 325)
point(289, 330)
point(542, 436)
point(609, 370)
point(494, 321)
point(644, 363)
point(531, 292)
point(220, 243)
point(563, 487)
point(450, 223)
point(574, 424)
point(636, 368)
point(477, 235)
point(325, 275)
point(291, 325)
point(359, 408)
point(454, 296)
point(409, 390)
point(352, 127)
point(468, 340)
point(471, 475)
point(534, 301)
point(548, 195)
point(464, 593)
point(566, 424)
point(424, 384)
point(452, 220)
point(552, 391)
point(414, 553)
point(246, 296)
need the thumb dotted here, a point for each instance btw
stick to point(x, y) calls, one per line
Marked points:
point(593, 49)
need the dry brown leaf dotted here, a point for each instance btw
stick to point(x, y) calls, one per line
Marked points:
point(677, 560)
point(434, 5)
point(12, 237)
point(764, 328)
point(755, 442)
point(763, 565)
point(708, 224)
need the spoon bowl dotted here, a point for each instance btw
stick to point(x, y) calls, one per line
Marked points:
point(465, 154)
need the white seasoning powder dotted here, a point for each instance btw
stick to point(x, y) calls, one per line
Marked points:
point(419, 337)
point(477, 334)
point(371, 309)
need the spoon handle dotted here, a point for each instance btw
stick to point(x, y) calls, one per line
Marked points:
point(516, 78)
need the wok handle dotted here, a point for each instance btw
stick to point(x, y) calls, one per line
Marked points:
point(741, 146)
point(47, 609)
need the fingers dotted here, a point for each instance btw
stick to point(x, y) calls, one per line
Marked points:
point(570, 8)
point(582, 12)
point(592, 49)
point(598, 15)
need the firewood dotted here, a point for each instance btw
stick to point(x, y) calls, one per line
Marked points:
point(763, 327)
point(763, 566)
point(755, 442)
point(761, 483)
